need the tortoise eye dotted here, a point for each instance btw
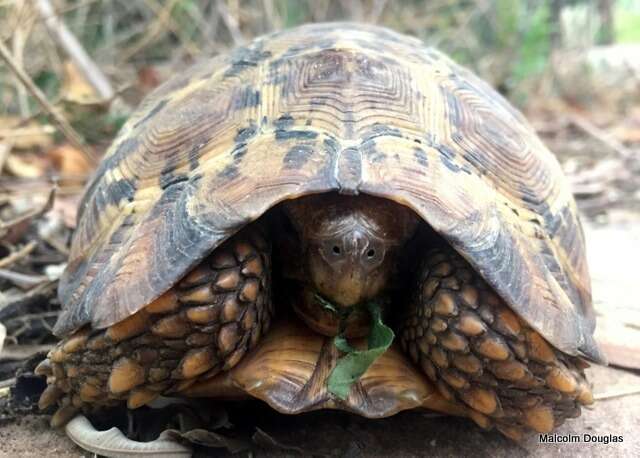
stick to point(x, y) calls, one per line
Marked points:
point(336, 249)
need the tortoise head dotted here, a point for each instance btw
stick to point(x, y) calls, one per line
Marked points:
point(350, 243)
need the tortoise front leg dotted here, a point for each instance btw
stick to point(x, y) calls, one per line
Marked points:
point(479, 353)
point(199, 328)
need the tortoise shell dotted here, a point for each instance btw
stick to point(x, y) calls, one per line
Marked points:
point(320, 108)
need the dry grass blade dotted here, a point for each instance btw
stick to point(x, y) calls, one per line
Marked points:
point(164, 15)
point(230, 21)
point(273, 18)
point(18, 255)
point(24, 281)
point(154, 31)
point(69, 132)
point(376, 10)
point(74, 49)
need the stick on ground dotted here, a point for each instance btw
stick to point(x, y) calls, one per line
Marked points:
point(66, 40)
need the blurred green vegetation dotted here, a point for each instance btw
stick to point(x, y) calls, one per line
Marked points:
point(508, 42)
point(627, 21)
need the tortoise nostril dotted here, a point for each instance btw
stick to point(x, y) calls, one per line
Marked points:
point(371, 253)
point(336, 249)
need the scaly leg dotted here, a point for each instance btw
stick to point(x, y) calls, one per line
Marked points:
point(202, 326)
point(478, 352)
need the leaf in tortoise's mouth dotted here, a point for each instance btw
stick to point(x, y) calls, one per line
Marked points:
point(354, 363)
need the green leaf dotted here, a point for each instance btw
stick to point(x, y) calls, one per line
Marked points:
point(341, 344)
point(350, 368)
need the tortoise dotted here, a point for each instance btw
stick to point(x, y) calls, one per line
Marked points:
point(334, 164)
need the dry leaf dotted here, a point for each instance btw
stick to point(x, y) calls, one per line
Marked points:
point(26, 165)
point(69, 162)
point(148, 78)
point(25, 136)
point(76, 89)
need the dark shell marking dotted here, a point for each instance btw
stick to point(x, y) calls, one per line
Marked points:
point(349, 108)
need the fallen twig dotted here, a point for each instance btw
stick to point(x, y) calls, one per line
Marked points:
point(7, 384)
point(23, 351)
point(602, 136)
point(69, 132)
point(66, 40)
point(619, 393)
point(24, 281)
point(17, 255)
point(28, 131)
point(376, 10)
